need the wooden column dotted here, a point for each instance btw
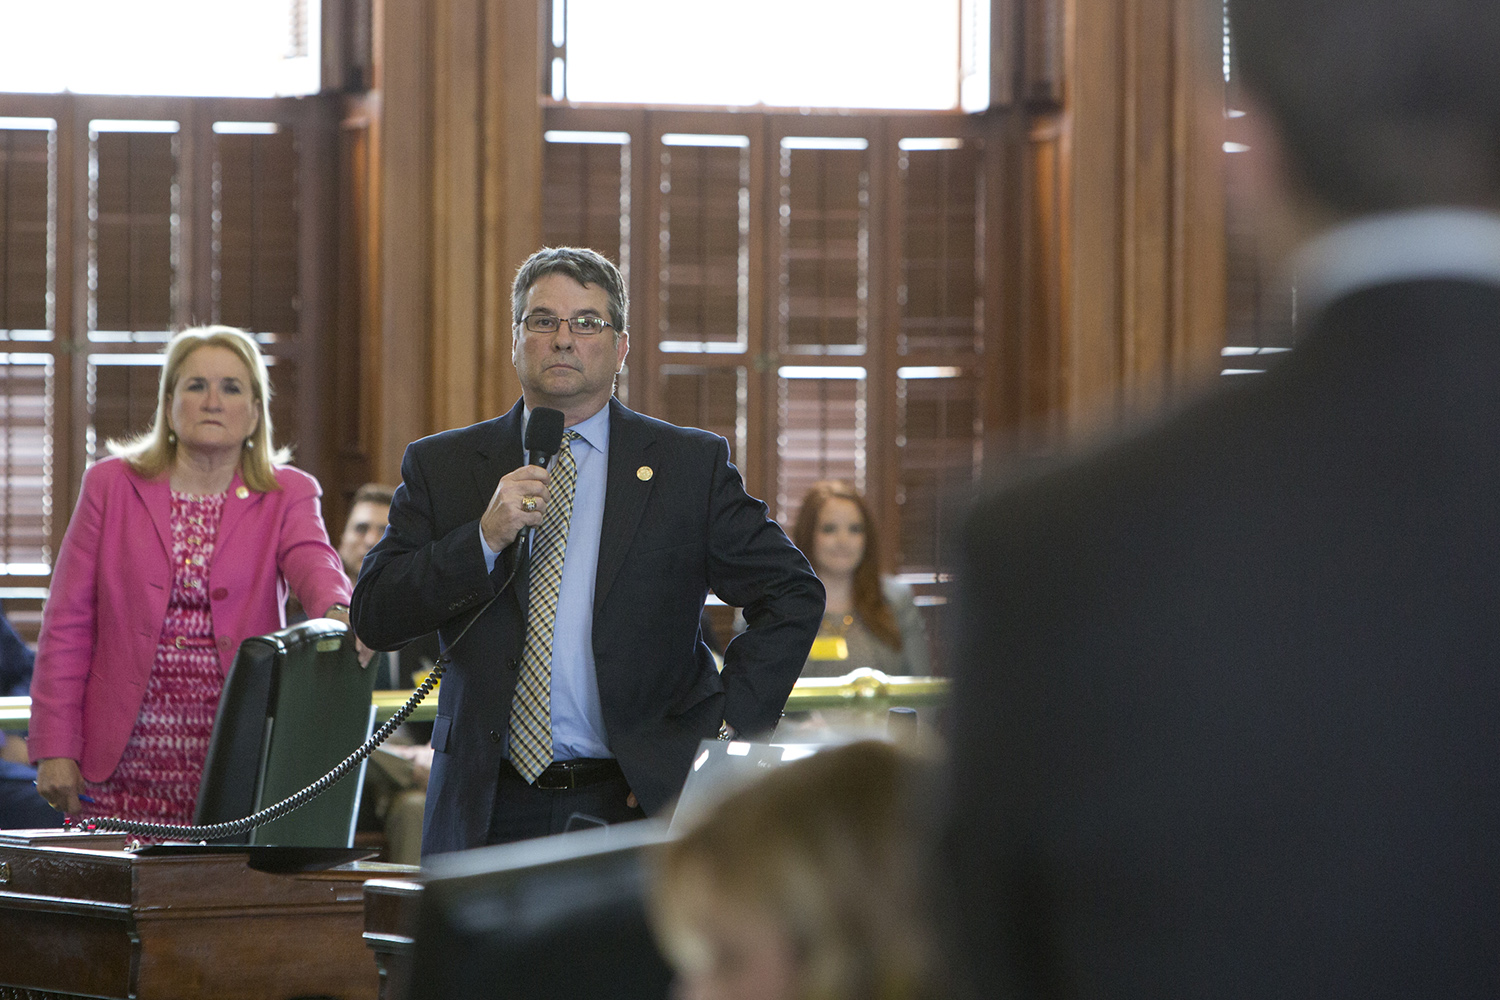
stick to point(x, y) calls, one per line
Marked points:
point(398, 332)
point(456, 192)
point(1143, 316)
point(512, 181)
point(1112, 213)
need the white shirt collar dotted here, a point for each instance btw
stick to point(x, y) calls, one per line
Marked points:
point(1428, 243)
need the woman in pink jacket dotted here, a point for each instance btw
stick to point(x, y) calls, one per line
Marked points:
point(182, 546)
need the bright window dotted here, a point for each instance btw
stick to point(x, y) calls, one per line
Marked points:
point(187, 48)
point(892, 54)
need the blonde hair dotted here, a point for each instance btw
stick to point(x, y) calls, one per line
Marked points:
point(152, 452)
point(827, 848)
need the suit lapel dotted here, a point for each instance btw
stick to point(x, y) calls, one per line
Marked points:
point(156, 497)
point(237, 503)
point(625, 494)
point(498, 454)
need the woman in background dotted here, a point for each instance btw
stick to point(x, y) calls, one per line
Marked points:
point(181, 547)
point(875, 616)
point(805, 885)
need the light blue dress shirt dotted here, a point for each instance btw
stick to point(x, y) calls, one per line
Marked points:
point(577, 719)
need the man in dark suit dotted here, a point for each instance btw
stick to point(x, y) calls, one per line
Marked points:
point(1227, 714)
point(583, 687)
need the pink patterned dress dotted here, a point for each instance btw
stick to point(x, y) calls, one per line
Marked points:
point(158, 776)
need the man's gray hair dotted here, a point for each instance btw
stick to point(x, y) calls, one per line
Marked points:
point(585, 266)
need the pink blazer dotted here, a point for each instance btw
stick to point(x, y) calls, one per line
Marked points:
point(113, 578)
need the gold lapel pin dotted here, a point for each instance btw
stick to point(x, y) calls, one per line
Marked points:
point(644, 473)
point(242, 492)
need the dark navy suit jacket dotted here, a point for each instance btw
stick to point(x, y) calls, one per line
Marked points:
point(666, 540)
point(1226, 720)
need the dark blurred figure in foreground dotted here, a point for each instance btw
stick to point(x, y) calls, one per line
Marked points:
point(1227, 719)
point(804, 885)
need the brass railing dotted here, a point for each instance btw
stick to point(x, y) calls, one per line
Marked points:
point(15, 713)
point(863, 688)
point(859, 689)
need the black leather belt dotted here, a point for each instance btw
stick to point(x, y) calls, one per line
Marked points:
point(578, 772)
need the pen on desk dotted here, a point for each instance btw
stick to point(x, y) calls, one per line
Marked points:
point(81, 798)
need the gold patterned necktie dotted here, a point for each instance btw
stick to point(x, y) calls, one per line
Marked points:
point(531, 708)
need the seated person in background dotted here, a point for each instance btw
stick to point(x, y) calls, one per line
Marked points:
point(870, 619)
point(369, 513)
point(804, 884)
point(395, 792)
point(20, 806)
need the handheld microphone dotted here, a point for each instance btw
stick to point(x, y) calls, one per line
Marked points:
point(544, 434)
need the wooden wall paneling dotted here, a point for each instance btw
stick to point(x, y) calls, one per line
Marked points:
point(1200, 229)
point(1144, 299)
point(1173, 287)
point(316, 134)
point(1044, 278)
point(347, 347)
point(765, 336)
point(73, 188)
point(457, 168)
point(639, 205)
point(885, 468)
point(760, 443)
point(193, 303)
point(456, 177)
point(1002, 284)
point(1095, 130)
point(404, 277)
point(366, 115)
point(369, 226)
point(512, 211)
point(764, 380)
point(1005, 53)
point(1043, 43)
point(346, 45)
point(334, 30)
point(649, 298)
point(66, 454)
point(1149, 158)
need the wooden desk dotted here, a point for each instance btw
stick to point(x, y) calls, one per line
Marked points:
point(390, 929)
point(81, 916)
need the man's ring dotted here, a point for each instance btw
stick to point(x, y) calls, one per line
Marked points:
point(529, 505)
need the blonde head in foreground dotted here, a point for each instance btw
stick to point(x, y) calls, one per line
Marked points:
point(802, 886)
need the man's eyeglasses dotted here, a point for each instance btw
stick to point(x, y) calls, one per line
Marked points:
point(583, 326)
